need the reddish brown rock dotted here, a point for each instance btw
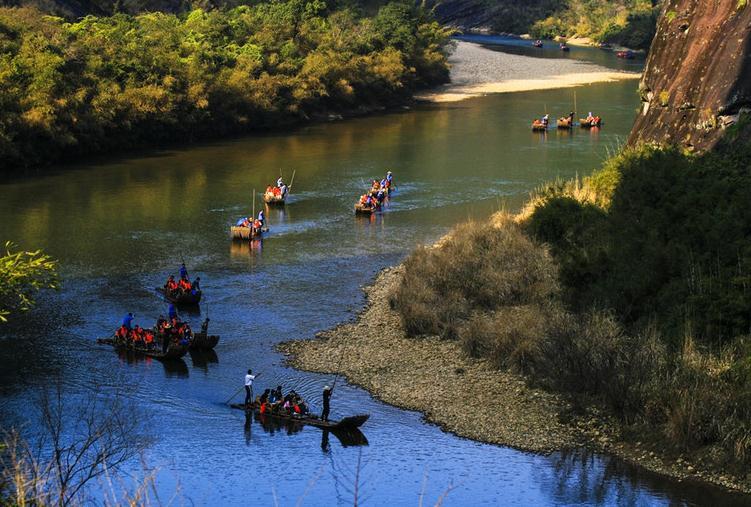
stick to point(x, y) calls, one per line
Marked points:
point(698, 74)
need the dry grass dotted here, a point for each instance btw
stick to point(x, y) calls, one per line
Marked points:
point(475, 267)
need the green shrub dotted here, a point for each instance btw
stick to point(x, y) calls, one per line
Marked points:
point(22, 275)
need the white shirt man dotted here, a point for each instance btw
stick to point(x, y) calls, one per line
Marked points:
point(249, 378)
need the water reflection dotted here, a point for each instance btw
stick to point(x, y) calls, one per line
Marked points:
point(175, 368)
point(581, 476)
point(202, 358)
point(352, 437)
point(246, 249)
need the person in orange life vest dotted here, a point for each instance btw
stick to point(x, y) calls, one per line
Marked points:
point(149, 338)
point(171, 284)
point(184, 284)
point(122, 332)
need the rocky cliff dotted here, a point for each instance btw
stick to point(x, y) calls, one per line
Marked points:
point(697, 79)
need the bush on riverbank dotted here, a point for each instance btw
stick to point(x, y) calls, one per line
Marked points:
point(631, 23)
point(70, 89)
point(645, 306)
point(477, 267)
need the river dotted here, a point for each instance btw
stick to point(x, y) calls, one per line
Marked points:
point(119, 227)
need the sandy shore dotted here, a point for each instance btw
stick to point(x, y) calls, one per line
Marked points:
point(477, 71)
point(468, 397)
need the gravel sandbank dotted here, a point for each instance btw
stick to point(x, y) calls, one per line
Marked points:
point(476, 71)
point(470, 398)
point(431, 375)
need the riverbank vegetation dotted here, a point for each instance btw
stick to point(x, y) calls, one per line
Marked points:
point(629, 289)
point(22, 275)
point(630, 23)
point(77, 445)
point(69, 89)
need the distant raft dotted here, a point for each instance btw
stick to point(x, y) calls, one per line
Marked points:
point(566, 122)
point(247, 233)
point(274, 197)
point(347, 423)
point(539, 126)
point(588, 123)
point(174, 351)
point(364, 209)
point(181, 297)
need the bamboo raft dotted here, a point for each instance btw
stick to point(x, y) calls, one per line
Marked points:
point(538, 126)
point(247, 233)
point(565, 123)
point(173, 351)
point(361, 209)
point(583, 123)
point(272, 199)
point(347, 423)
point(182, 297)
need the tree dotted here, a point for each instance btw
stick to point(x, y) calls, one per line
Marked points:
point(22, 275)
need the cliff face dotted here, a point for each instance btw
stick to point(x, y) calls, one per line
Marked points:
point(698, 74)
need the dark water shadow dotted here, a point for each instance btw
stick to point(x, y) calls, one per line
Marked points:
point(175, 368)
point(203, 358)
point(580, 475)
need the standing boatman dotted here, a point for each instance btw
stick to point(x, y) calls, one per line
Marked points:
point(128, 321)
point(326, 403)
point(262, 218)
point(249, 378)
point(172, 312)
point(183, 272)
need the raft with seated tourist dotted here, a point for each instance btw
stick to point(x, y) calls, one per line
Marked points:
point(566, 122)
point(182, 292)
point(590, 122)
point(293, 408)
point(147, 342)
point(539, 126)
point(374, 200)
point(626, 55)
point(247, 228)
point(276, 195)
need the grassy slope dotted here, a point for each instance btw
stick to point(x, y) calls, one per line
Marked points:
point(630, 289)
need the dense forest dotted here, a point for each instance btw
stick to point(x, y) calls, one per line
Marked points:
point(627, 22)
point(101, 83)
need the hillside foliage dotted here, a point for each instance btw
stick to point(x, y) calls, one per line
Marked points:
point(630, 289)
point(631, 23)
point(104, 83)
